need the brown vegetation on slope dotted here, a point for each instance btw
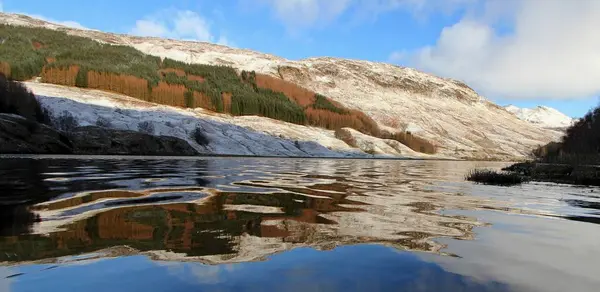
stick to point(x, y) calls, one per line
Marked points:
point(63, 76)
point(169, 94)
point(124, 84)
point(301, 96)
point(413, 142)
point(203, 101)
point(37, 45)
point(346, 136)
point(226, 96)
point(5, 69)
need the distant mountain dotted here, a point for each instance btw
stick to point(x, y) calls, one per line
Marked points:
point(542, 116)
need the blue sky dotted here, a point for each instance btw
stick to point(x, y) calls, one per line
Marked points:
point(522, 52)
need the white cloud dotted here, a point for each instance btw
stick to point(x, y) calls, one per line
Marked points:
point(223, 40)
point(307, 13)
point(398, 57)
point(552, 51)
point(178, 24)
point(418, 7)
point(188, 23)
point(68, 23)
point(302, 14)
point(149, 28)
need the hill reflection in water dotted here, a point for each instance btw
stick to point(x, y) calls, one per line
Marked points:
point(257, 223)
point(219, 210)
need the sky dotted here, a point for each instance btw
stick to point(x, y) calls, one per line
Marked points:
point(520, 52)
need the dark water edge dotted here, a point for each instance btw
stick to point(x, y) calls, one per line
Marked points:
point(169, 224)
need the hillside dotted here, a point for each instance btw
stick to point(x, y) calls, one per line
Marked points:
point(227, 135)
point(445, 112)
point(542, 116)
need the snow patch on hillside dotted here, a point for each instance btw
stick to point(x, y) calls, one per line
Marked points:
point(542, 116)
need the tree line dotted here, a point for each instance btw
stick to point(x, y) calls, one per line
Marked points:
point(579, 145)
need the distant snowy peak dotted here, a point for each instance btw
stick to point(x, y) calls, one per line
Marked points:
point(543, 116)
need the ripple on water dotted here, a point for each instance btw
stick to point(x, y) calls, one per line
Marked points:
point(226, 211)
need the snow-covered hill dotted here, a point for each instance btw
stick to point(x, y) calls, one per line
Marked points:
point(542, 116)
point(462, 123)
point(227, 135)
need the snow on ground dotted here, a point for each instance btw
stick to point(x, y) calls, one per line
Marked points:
point(246, 135)
point(542, 116)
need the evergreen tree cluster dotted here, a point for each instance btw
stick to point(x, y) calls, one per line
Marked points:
point(28, 50)
point(246, 98)
point(322, 102)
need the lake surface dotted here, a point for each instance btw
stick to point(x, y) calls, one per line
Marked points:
point(261, 224)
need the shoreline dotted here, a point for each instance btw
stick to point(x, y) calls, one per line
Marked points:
point(175, 157)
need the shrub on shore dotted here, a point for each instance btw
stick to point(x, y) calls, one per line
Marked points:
point(523, 168)
point(490, 177)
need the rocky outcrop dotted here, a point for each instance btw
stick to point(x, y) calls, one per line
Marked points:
point(96, 140)
point(21, 136)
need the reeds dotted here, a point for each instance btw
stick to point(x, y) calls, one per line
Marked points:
point(491, 177)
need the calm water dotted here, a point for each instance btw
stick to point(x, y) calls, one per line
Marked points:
point(229, 224)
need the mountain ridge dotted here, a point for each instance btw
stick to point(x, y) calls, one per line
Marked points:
point(461, 122)
point(542, 116)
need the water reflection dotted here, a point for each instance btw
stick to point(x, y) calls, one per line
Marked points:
point(301, 269)
point(223, 210)
point(64, 215)
point(21, 184)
